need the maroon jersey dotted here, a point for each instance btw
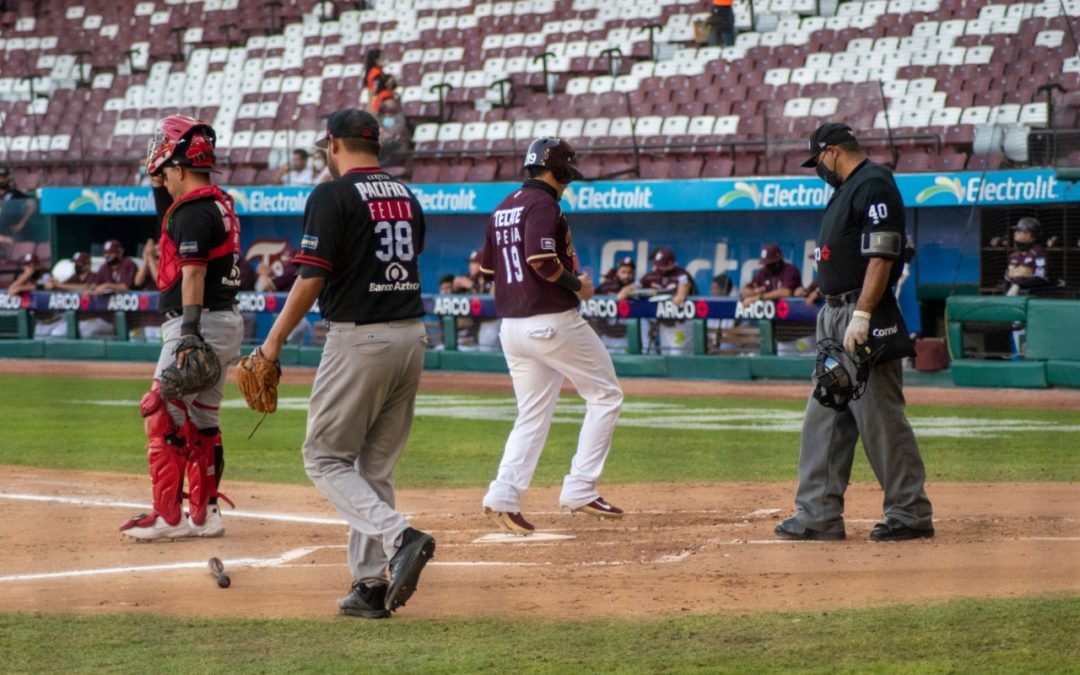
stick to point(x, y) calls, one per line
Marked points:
point(201, 228)
point(123, 272)
point(528, 226)
point(1027, 267)
point(669, 280)
point(789, 278)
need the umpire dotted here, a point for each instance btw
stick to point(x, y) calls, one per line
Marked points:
point(859, 257)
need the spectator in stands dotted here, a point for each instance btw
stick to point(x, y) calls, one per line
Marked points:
point(77, 282)
point(33, 276)
point(472, 281)
point(723, 23)
point(776, 278)
point(319, 167)
point(1026, 267)
point(117, 274)
point(618, 278)
point(394, 134)
point(282, 281)
point(146, 278)
point(373, 68)
point(385, 101)
point(16, 209)
point(446, 284)
point(297, 172)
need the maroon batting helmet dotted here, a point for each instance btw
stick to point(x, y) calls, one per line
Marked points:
point(555, 155)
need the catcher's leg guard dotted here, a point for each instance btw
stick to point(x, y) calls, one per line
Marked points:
point(166, 457)
point(202, 472)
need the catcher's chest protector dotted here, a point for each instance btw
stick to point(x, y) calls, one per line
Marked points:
point(169, 264)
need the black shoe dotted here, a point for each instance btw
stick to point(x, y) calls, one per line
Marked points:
point(405, 567)
point(894, 530)
point(366, 601)
point(793, 530)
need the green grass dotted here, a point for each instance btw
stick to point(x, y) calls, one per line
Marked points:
point(43, 428)
point(1034, 635)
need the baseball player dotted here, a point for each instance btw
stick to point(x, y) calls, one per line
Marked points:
point(1026, 266)
point(200, 245)
point(529, 251)
point(363, 232)
point(860, 255)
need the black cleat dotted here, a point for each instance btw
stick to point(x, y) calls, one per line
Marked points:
point(366, 601)
point(894, 530)
point(792, 530)
point(406, 565)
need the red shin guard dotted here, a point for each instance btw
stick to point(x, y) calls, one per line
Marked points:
point(201, 473)
point(165, 456)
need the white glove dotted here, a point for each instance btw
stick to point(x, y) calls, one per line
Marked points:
point(858, 331)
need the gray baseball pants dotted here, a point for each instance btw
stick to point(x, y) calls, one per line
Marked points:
point(828, 446)
point(223, 331)
point(359, 419)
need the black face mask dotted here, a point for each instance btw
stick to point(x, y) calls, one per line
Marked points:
point(828, 175)
point(112, 260)
point(775, 268)
point(1023, 245)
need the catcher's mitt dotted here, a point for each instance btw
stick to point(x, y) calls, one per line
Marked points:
point(201, 369)
point(257, 377)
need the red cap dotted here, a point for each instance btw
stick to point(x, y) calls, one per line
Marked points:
point(770, 254)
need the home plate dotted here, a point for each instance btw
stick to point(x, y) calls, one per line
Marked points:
point(507, 538)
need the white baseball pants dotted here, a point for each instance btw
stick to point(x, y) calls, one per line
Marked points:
point(541, 352)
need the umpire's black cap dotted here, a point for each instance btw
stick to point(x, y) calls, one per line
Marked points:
point(830, 133)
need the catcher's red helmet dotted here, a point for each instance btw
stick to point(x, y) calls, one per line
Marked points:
point(182, 141)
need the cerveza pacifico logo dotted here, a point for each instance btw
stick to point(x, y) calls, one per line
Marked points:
point(86, 197)
point(943, 185)
point(743, 190)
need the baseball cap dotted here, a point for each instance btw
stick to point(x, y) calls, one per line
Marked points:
point(350, 123)
point(626, 261)
point(664, 259)
point(1027, 225)
point(770, 254)
point(30, 259)
point(80, 257)
point(113, 246)
point(474, 257)
point(830, 133)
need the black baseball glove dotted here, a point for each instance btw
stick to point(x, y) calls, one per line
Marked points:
point(197, 369)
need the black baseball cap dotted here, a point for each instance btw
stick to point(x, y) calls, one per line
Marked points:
point(350, 123)
point(830, 133)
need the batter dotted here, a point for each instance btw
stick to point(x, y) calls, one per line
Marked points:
point(529, 251)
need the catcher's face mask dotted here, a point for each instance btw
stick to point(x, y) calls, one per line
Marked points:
point(839, 377)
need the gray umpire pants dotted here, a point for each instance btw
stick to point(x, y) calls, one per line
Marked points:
point(359, 419)
point(828, 445)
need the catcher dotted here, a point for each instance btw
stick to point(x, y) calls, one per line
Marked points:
point(198, 278)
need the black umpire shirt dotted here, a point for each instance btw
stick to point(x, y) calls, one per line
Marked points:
point(363, 232)
point(868, 201)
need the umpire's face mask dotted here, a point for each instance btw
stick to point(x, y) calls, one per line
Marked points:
point(826, 174)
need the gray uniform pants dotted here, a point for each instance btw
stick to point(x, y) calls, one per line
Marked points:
point(828, 446)
point(358, 421)
point(223, 331)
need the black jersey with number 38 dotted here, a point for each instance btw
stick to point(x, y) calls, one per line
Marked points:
point(868, 201)
point(363, 232)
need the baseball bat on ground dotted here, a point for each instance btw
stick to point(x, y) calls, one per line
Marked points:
point(218, 570)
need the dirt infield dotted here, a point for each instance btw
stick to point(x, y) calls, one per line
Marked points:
point(695, 548)
point(681, 549)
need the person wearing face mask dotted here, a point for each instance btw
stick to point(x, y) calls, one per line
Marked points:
point(775, 279)
point(117, 274)
point(860, 255)
point(318, 166)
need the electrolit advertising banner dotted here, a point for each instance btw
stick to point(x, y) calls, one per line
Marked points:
point(996, 188)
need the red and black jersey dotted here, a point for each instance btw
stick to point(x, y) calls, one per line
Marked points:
point(201, 228)
point(526, 227)
point(363, 232)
